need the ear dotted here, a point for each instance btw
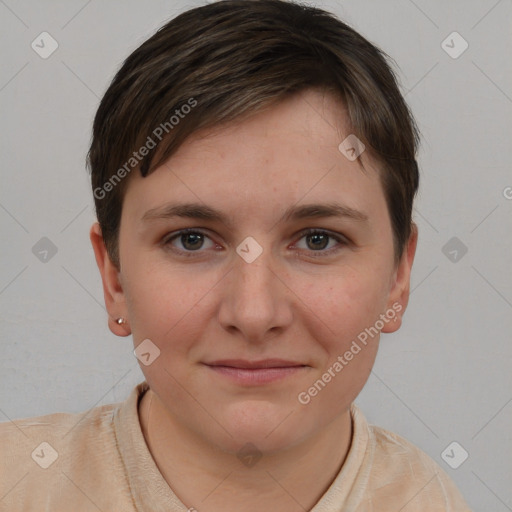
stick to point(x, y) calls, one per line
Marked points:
point(400, 290)
point(112, 288)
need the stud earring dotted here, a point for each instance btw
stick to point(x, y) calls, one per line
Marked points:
point(120, 321)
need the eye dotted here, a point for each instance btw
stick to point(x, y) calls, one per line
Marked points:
point(317, 240)
point(190, 240)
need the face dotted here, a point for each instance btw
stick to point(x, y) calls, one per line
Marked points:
point(265, 294)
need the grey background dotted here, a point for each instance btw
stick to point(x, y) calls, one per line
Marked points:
point(445, 376)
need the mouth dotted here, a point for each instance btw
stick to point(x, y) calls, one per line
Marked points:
point(255, 365)
point(252, 373)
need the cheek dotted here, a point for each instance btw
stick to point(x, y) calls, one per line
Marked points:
point(349, 302)
point(349, 308)
point(170, 305)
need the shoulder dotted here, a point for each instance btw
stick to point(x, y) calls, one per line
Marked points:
point(63, 429)
point(394, 474)
point(56, 423)
point(402, 476)
point(59, 458)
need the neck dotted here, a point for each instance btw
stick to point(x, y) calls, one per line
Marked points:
point(208, 479)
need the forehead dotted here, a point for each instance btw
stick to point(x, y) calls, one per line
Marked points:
point(269, 160)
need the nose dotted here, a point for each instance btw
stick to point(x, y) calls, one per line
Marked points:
point(256, 303)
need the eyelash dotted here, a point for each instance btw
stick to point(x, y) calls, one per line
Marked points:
point(342, 241)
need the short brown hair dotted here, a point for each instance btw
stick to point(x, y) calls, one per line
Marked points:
point(236, 57)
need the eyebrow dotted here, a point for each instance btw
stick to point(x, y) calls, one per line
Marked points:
point(203, 212)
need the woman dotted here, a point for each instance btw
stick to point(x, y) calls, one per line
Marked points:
point(253, 168)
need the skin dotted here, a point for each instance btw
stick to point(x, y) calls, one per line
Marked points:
point(298, 301)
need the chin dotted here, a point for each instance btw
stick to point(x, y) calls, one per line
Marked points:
point(265, 425)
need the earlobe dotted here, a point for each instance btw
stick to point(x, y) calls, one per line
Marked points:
point(400, 291)
point(112, 288)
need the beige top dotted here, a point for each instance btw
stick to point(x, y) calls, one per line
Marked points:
point(99, 461)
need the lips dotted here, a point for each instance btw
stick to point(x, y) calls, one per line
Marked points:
point(255, 373)
point(253, 365)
